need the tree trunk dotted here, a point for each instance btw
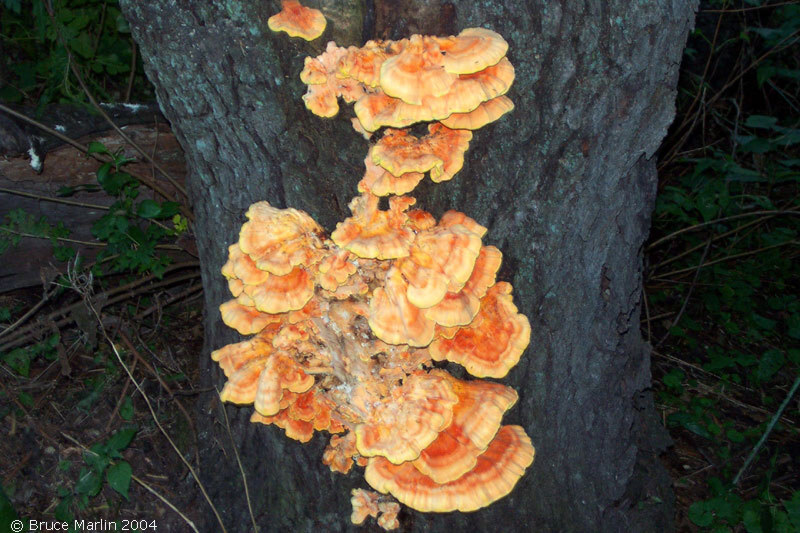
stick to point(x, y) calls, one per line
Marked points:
point(565, 184)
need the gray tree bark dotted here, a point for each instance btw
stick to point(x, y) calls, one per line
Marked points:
point(565, 184)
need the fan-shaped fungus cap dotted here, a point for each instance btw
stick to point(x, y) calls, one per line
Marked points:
point(476, 419)
point(339, 453)
point(496, 473)
point(448, 145)
point(452, 218)
point(416, 72)
point(485, 113)
point(399, 152)
point(493, 343)
point(472, 50)
point(388, 518)
point(240, 266)
point(280, 372)
point(279, 294)
point(364, 64)
point(455, 309)
point(365, 503)
point(380, 182)
point(494, 81)
point(245, 319)
point(402, 425)
point(320, 74)
point(242, 384)
point(278, 240)
point(234, 356)
point(295, 429)
point(394, 319)
point(373, 233)
point(298, 21)
point(335, 269)
point(485, 271)
point(454, 249)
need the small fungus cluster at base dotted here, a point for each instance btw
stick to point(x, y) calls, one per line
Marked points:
point(346, 328)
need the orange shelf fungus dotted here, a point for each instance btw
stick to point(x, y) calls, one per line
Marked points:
point(346, 328)
point(493, 343)
point(496, 472)
point(472, 50)
point(482, 115)
point(298, 21)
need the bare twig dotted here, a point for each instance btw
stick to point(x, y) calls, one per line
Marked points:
point(688, 295)
point(112, 296)
point(166, 502)
point(54, 200)
point(694, 227)
point(722, 259)
point(767, 431)
point(89, 304)
point(137, 480)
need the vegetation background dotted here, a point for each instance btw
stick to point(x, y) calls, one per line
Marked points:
point(722, 280)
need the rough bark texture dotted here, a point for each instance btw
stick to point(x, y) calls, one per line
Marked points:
point(565, 184)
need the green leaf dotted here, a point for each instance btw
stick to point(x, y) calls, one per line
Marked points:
point(7, 512)
point(689, 422)
point(113, 182)
point(760, 121)
point(673, 379)
point(126, 409)
point(89, 482)
point(793, 509)
point(734, 436)
point(771, 361)
point(97, 148)
point(119, 477)
point(701, 514)
point(13, 5)
point(25, 399)
point(120, 440)
point(148, 209)
point(98, 460)
point(751, 517)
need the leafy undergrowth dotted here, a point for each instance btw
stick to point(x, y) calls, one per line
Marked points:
point(723, 276)
point(79, 442)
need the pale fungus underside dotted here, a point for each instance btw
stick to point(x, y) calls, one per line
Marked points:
point(347, 327)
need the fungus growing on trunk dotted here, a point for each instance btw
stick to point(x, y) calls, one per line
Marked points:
point(298, 21)
point(347, 328)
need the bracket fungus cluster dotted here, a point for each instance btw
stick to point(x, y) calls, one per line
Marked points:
point(346, 328)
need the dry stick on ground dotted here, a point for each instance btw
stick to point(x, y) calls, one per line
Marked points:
point(121, 398)
point(90, 305)
point(178, 297)
point(28, 416)
point(688, 295)
point(771, 425)
point(693, 227)
point(21, 336)
point(735, 230)
point(103, 158)
point(137, 480)
point(45, 297)
point(239, 462)
point(164, 386)
point(729, 84)
point(54, 200)
point(665, 277)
